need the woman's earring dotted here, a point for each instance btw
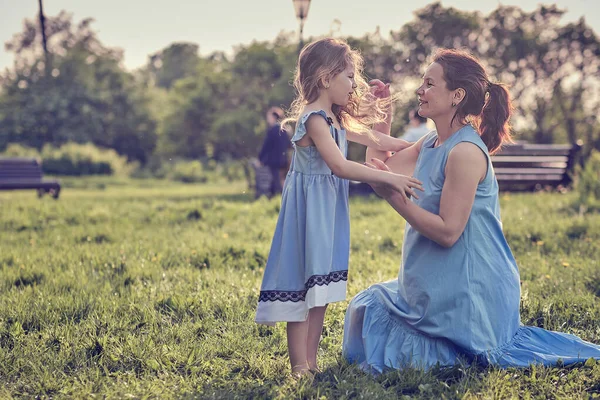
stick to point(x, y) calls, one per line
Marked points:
point(453, 104)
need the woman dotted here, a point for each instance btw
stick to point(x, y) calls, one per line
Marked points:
point(457, 294)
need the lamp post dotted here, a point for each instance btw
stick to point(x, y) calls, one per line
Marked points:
point(301, 7)
point(44, 38)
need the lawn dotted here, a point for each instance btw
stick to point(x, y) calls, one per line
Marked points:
point(147, 289)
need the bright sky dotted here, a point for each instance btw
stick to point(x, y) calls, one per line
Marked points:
point(142, 27)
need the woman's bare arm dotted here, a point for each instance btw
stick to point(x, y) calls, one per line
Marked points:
point(465, 169)
point(404, 161)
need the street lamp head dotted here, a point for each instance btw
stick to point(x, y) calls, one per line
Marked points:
point(301, 7)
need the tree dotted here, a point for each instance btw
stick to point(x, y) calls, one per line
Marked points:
point(177, 61)
point(188, 124)
point(219, 112)
point(86, 98)
point(552, 70)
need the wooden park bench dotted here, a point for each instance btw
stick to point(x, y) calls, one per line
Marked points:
point(26, 173)
point(523, 167)
point(526, 166)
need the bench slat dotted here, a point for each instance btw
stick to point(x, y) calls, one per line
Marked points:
point(22, 177)
point(536, 150)
point(21, 171)
point(538, 171)
point(562, 166)
point(531, 177)
point(18, 160)
point(529, 158)
point(19, 166)
point(536, 153)
point(14, 185)
point(534, 146)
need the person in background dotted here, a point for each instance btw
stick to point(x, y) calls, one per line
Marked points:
point(417, 126)
point(273, 153)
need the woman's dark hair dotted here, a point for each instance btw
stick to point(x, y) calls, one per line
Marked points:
point(487, 105)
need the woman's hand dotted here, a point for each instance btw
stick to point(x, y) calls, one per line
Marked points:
point(379, 89)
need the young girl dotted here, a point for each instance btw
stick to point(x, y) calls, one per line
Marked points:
point(307, 266)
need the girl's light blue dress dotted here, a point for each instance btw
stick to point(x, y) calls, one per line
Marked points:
point(453, 303)
point(308, 262)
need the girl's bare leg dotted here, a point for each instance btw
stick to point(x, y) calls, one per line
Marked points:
point(297, 333)
point(316, 316)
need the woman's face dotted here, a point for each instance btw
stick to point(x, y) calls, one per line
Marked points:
point(341, 86)
point(434, 97)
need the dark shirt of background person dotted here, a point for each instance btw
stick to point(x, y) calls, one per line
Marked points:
point(273, 153)
point(274, 149)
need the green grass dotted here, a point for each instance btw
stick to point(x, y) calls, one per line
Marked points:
point(147, 289)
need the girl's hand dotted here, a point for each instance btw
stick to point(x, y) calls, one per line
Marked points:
point(379, 89)
point(403, 184)
point(382, 190)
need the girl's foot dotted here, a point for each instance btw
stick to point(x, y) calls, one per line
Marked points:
point(300, 373)
point(300, 369)
point(314, 367)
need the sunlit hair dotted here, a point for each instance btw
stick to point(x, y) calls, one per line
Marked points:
point(486, 105)
point(322, 60)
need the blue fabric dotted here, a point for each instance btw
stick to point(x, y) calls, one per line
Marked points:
point(452, 303)
point(308, 261)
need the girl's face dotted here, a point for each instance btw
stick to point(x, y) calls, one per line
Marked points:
point(434, 97)
point(341, 86)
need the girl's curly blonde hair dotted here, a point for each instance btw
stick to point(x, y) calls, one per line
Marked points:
point(323, 59)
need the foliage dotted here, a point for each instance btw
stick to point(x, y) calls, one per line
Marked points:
point(83, 96)
point(186, 105)
point(587, 183)
point(75, 159)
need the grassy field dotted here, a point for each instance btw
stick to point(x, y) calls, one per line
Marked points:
point(125, 289)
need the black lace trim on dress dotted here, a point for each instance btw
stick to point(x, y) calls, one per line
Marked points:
point(300, 295)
